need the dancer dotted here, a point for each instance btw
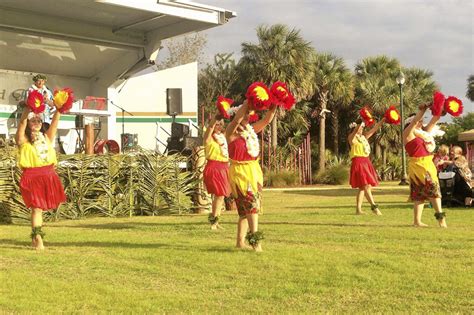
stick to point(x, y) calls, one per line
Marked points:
point(40, 186)
point(422, 171)
point(363, 175)
point(216, 172)
point(246, 176)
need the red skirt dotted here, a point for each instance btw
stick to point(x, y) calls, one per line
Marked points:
point(216, 178)
point(362, 173)
point(41, 188)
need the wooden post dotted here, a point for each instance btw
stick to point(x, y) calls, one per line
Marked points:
point(89, 135)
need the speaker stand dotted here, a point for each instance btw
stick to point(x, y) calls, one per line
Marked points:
point(123, 119)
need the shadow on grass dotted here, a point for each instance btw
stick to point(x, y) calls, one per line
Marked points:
point(336, 224)
point(127, 226)
point(16, 244)
point(344, 192)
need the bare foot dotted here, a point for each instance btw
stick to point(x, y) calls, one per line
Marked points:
point(258, 248)
point(38, 243)
point(243, 246)
point(420, 224)
point(360, 213)
point(376, 211)
point(442, 223)
point(214, 227)
point(220, 227)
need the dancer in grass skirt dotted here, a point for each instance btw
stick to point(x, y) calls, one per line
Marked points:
point(363, 175)
point(40, 186)
point(216, 172)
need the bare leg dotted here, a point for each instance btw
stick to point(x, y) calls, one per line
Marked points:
point(217, 203)
point(253, 226)
point(417, 212)
point(359, 200)
point(37, 220)
point(242, 228)
point(370, 199)
point(436, 202)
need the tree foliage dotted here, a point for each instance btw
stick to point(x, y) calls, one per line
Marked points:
point(183, 50)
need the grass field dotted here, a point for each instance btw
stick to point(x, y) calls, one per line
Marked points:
point(318, 257)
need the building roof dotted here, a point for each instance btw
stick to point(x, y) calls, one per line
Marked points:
point(81, 38)
point(467, 135)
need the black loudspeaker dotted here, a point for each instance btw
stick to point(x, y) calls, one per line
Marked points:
point(192, 142)
point(179, 130)
point(129, 141)
point(175, 145)
point(79, 121)
point(174, 104)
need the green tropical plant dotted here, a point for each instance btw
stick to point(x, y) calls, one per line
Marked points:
point(280, 55)
point(470, 88)
point(332, 83)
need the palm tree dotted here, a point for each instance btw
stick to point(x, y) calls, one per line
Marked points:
point(280, 55)
point(332, 83)
point(217, 79)
point(470, 88)
point(376, 87)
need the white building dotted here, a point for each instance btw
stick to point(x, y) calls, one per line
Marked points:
point(102, 48)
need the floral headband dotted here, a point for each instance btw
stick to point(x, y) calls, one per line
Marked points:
point(32, 115)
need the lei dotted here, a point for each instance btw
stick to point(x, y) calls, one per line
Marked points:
point(363, 140)
point(251, 140)
point(428, 139)
point(41, 146)
point(220, 139)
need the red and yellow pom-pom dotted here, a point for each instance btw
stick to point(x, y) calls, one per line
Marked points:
point(453, 106)
point(223, 105)
point(282, 95)
point(258, 96)
point(35, 102)
point(253, 116)
point(366, 116)
point(437, 107)
point(63, 99)
point(392, 116)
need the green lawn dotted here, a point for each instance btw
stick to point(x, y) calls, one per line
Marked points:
point(318, 257)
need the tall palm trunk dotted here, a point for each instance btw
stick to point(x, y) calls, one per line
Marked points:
point(323, 96)
point(335, 128)
point(274, 132)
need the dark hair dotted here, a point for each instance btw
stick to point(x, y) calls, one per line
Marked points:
point(44, 128)
point(39, 77)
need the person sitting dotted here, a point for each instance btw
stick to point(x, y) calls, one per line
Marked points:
point(440, 157)
point(463, 189)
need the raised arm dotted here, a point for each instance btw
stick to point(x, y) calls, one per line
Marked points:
point(419, 116)
point(352, 135)
point(262, 123)
point(432, 123)
point(374, 129)
point(20, 137)
point(232, 127)
point(210, 128)
point(51, 133)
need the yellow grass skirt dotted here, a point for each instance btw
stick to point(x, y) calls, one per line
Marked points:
point(246, 182)
point(423, 176)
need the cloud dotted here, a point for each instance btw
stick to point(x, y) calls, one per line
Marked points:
point(429, 34)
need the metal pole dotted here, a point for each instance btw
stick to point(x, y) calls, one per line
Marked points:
point(403, 180)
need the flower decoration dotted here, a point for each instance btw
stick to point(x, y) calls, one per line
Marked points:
point(63, 99)
point(35, 101)
point(453, 106)
point(366, 116)
point(437, 107)
point(392, 116)
point(253, 116)
point(282, 95)
point(223, 105)
point(259, 96)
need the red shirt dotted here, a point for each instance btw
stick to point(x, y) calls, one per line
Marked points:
point(238, 150)
point(416, 148)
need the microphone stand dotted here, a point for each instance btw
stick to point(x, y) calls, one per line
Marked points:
point(123, 119)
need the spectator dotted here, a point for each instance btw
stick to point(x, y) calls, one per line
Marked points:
point(440, 157)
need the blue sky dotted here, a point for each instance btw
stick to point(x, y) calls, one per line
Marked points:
point(431, 34)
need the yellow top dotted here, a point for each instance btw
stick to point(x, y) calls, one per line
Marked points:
point(213, 151)
point(29, 156)
point(360, 147)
